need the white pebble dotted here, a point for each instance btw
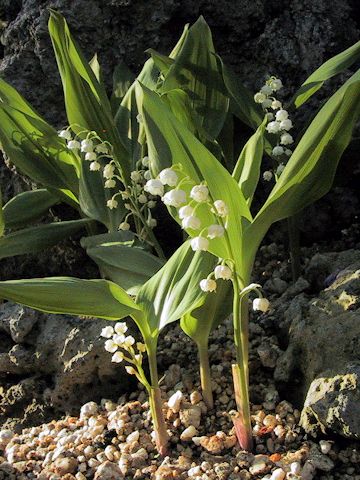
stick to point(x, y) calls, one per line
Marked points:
point(194, 471)
point(295, 468)
point(174, 401)
point(278, 474)
point(325, 446)
point(133, 437)
point(5, 437)
point(188, 433)
point(88, 410)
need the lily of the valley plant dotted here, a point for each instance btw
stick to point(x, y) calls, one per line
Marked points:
point(166, 136)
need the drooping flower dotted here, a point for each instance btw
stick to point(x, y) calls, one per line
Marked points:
point(119, 339)
point(267, 176)
point(223, 272)
point(145, 161)
point(154, 187)
point(208, 285)
point(215, 231)
point(261, 304)
point(151, 204)
point(152, 223)
point(221, 208)
point(109, 171)
point(286, 139)
point(277, 151)
point(200, 193)
point(147, 175)
point(273, 127)
point(276, 104)
point(130, 370)
point(124, 226)
point(191, 222)
point(281, 115)
point(199, 243)
point(128, 341)
point(168, 177)
point(259, 97)
point(270, 116)
point(136, 176)
point(102, 148)
point(280, 169)
point(286, 124)
point(186, 211)
point(87, 145)
point(288, 152)
point(111, 183)
point(142, 198)
point(275, 84)
point(111, 346)
point(266, 90)
point(73, 145)
point(266, 103)
point(95, 166)
point(141, 347)
point(90, 156)
point(66, 134)
point(112, 203)
point(174, 198)
point(107, 332)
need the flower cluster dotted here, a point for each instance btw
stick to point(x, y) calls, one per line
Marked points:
point(100, 156)
point(279, 123)
point(116, 339)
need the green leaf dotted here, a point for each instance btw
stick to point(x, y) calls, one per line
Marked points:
point(174, 290)
point(35, 239)
point(105, 238)
point(122, 80)
point(329, 69)
point(162, 62)
point(310, 171)
point(2, 221)
point(174, 144)
point(197, 72)
point(241, 99)
point(34, 147)
point(87, 104)
point(200, 322)
point(93, 197)
point(125, 264)
point(26, 207)
point(247, 168)
point(74, 296)
point(95, 67)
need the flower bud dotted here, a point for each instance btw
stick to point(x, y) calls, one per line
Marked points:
point(277, 151)
point(107, 332)
point(270, 116)
point(108, 171)
point(120, 328)
point(261, 304)
point(168, 177)
point(280, 169)
point(191, 222)
point(136, 176)
point(145, 161)
point(141, 347)
point(154, 187)
point(118, 357)
point(152, 223)
point(199, 243)
point(142, 198)
point(147, 175)
point(208, 285)
point(267, 176)
point(151, 204)
point(110, 346)
point(174, 198)
point(139, 118)
point(102, 148)
point(223, 272)
point(221, 208)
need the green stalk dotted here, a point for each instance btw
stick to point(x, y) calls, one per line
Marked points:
point(240, 370)
point(294, 247)
point(205, 374)
point(161, 435)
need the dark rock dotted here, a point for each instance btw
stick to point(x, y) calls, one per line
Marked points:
point(322, 359)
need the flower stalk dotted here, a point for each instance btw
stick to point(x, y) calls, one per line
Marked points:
point(205, 374)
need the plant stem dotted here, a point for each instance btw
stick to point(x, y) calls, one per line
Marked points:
point(240, 370)
point(161, 435)
point(205, 374)
point(294, 247)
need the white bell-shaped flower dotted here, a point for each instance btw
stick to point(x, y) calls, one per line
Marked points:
point(199, 243)
point(286, 139)
point(154, 187)
point(277, 151)
point(118, 357)
point(221, 208)
point(65, 134)
point(191, 222)
point(261, 304)
point(200, 193)
point(174, 198)
point(111, 346)
point(73, 145)
point(186, 211)
point(107, 332)
point(95, 166)
point(168, 177)
point(90, 156)
point(281, 115)
point(208, 285)
point(223, 272)
point(273, 127)
point(87, 145)
point(124, 226)
point(112, 203)
point(215, 231)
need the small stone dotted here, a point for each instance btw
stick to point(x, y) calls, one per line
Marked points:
point(295, 468)
point(191, 416)
point(194, 472)
point(133, 437)
point(88, 410)
point(65, 465)
point(139, 458)
point(278, 474)
point(188, 433)
point(80, 476)
point(108, 471)
point(270, 421)
point(5, 437)
point(325, 446)
point(174, 401)
point(195, 397)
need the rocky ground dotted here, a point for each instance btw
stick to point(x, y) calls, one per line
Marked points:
point(290, 357)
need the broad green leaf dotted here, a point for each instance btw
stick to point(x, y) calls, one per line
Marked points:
point(105, 238)
point(162, 62)
point(247, 168)
point(125, 264)
point(93, 197)
point(74, 296)
point(27, 207)
point(241, 99)
point(310, 171)
point(35, 239)
point(329, 69)
point(87, 104)
point(122, 80)
point(174, 290)
point(216, 307)
point(34, 147)
point(196, 71)
point(172, 141)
